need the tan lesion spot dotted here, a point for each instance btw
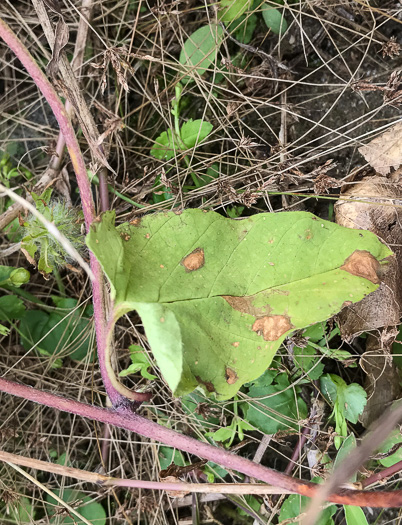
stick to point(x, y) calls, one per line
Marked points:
point(272, 327)
point(245, 305)
point(362, 264)
point(231, 376)
point(194, 261)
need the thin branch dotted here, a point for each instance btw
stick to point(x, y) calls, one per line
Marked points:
point(109, 481)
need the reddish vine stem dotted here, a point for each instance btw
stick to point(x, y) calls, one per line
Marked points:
point(384, 474)
point(88, 206)
point(123, 417)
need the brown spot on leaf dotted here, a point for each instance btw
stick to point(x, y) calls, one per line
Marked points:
point(147, 236)
point(194, 261)
point(272, 327)
point(208, 385)
point(362, 264)
point(136, 221)
point(125, 236)
point(231, 376)
point(235, 344)
point(245, 306)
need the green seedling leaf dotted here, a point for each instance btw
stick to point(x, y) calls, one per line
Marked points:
point(231, 9)
point(266, 379)
point(307, 362)
point(243, 28)
point(139, 363)
point(252, 502)
point(348, 400)
point(237, 426)
point(295, 505)
point(21, 513)
point(11, 307)
point(4, 330)
point(169, 455)
point(211, 174)
point(87, 507)
point(355, 515)
point(165, 146)
point(277, 408)
point(217, 297)
point(213, 471)
point(200, 50)
point(274, 19)
point(59, 333)
point(235, 212)
point(195, 131)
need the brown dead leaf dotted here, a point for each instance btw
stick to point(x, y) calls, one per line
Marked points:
point(374, 204)
point(385, 151)
point(60, 42)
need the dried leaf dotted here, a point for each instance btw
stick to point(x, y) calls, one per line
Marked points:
point(60, 42)
point(369, 206)
point(385, 151)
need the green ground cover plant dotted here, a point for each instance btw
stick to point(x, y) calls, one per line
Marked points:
point(212, 301)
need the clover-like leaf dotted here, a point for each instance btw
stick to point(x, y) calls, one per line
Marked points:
point(274, 19)
point(231, 9)
point(217, 297)
point(165, 146)
point(200, 50)
point(195, 131)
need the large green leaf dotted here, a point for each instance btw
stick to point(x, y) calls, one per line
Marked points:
point(59, 333)
point(217, 296)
